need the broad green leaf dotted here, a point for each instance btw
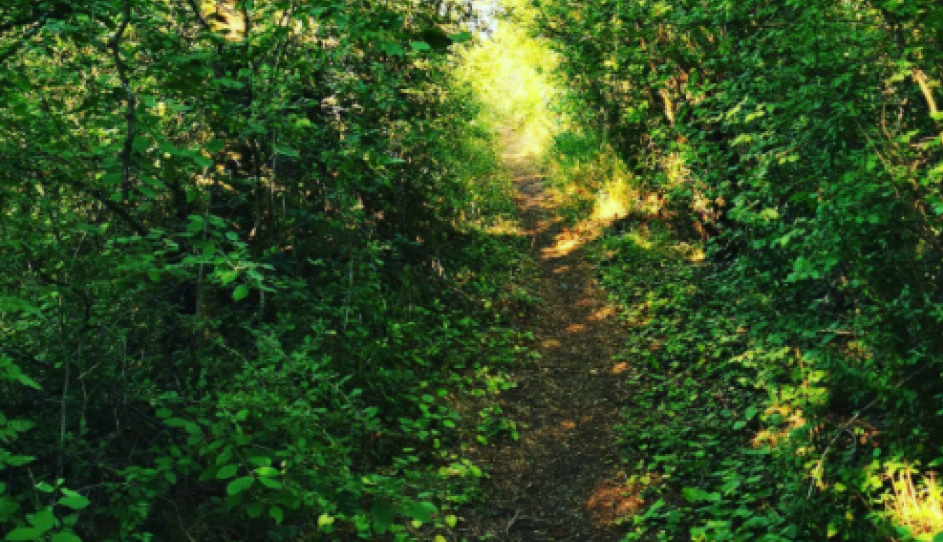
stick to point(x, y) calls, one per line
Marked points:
point(267, 471)
point(239, 485)
point(18, 460)
point(286, 151)
point(261, 460)
point(391, 48)
point(65, 537)
point(254, 510)
point(420, 511)
point(27, 381)
point(215, 145)
point(240, 292)
point(75, 502)
point(382, 514)
point(43, 520)
point(227, 472)
point(270, 483)
point(196, 223)
point(24, 533)
point(276, 514)
point(419, 46)
point(202, 161)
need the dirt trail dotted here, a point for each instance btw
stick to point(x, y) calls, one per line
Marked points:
point(562, 481)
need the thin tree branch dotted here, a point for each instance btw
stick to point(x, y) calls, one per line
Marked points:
point(126, 153)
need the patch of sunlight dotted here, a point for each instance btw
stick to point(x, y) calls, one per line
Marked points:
point(918, 506)
point(512, 75)
point(641, 240)
point(602, 314)
point(564, 247)
point(789, 418)
point(503, 226)
point(612, 501)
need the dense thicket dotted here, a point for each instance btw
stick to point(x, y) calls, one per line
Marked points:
point(236, 255)
point(804, 140)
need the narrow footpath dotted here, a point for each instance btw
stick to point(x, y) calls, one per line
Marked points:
point(562, 480)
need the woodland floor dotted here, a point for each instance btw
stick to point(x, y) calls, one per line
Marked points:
point(562, 480)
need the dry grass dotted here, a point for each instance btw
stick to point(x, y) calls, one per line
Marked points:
point(916, 505)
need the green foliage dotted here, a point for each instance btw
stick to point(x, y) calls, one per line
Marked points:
point(242, 270)
point(802, 361)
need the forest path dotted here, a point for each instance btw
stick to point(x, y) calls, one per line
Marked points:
point(562, 480)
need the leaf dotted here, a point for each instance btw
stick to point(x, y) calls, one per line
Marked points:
point(18, 460)
point(169, 148)
point(460, 37)
point(202, 161)
point(420, 46)
point(147, 191)
point(325, 520)
point(240, 292)
point(382, 514)
point(391, 48)
point(239, 485)
point(227, 472)
point(451, 521)
point(276, 514)
point(75, 502)
point(267, 471)
point(286, 151)
point(43, 520)
point(254, 510)
point(259, 461)
point(24, 533)
point(187, 425)
point(45, 487)
point(215, 145)
point(65, 537)
point(420, 511)
point(27, 381)
point(196, 223)
point(270, 483)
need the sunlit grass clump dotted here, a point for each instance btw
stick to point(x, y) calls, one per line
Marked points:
point(916, 505)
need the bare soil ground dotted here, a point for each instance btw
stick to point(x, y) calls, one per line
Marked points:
point(562, 480)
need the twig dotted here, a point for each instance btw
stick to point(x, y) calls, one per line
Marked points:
point(507, 530)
